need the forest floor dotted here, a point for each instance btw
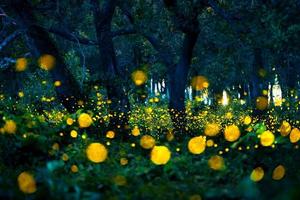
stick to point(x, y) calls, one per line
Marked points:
point(226, 153)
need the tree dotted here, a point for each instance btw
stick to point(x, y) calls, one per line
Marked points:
point(40, 43)
point(110, 74)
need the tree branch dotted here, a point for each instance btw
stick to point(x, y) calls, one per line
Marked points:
point(9, 39)
point(125, 31)
point(71, 36)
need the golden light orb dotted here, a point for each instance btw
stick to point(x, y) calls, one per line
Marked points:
point(147, 142)
point(232, 133)
point(85, 120)
point(96, 152)
point(267, 138)
point(160, 155)
point(197, 145)
point(46, 62)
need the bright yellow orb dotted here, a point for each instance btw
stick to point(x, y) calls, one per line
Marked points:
point(257, 174)
point(247, 120)
point(73, 134)
point(212, 129)
point(197, 145)
point(135, 131)
point(96, 152)
point(232, 133)
point(110, 134)
point(267, 138)
point(57, 83)
point(85, 120)
point(295, 135)
point(147, 141)
point(70, 121)
point(209, 143)
point(160, 155)
point(46, 62)
point(26, 183)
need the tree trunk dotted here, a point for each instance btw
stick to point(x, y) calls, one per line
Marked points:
point(110, 75)
point(178, 81)
point(255, 85)
point(40, 43)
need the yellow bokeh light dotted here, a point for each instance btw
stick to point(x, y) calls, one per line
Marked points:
point(267, 138)
point(278, 173)
point(21, 64)
point(295, 135)
point(110, 134)
point(123, 161)
point(199, 83)
point(139, 77)
point(46, 62)
point(70, 121)
point(73, 134)
point(26, 183)
point(96, 152)
point(257, 174)
point(285, 128)
point(247, 120)
point(170, 135)
point(160, 155)
point(212, 129)
point(85, 120)
point(135, 131)
point(232, 133)
point(216, 162)
point(21, 94)
point(120, 180)
point(197, 145)
point(74, 168)
point(57, 83)
point(10, 127)
point(261, 103)
point(262, 72)
point(147, 141)
point(195, 197)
